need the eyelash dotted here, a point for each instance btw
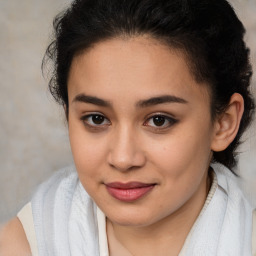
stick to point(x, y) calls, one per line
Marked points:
point(170, 121)
point(85, 121)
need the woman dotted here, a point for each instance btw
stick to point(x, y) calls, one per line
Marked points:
point(156, 95)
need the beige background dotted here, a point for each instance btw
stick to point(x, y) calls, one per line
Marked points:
point(33, 133)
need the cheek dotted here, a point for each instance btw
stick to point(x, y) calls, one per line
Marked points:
point(88, 151)
point(184, 153)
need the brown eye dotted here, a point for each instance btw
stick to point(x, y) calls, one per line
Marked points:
point(98, 119)
point(95, 120)
point(160, 121)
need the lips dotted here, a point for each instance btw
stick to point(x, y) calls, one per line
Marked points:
point(128, 192)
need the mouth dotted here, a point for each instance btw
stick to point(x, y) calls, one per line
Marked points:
point(128, 192)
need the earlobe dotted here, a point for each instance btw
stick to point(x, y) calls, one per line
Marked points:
point(227, 124)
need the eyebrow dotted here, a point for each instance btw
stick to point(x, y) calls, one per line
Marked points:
point(140, 104)
point(92, 100)
point(160, 100)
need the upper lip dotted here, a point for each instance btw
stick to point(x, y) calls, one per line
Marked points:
point(128, 185)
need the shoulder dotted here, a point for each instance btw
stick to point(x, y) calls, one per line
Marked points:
point(10, 232)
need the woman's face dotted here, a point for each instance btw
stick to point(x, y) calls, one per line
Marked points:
point(140, 130)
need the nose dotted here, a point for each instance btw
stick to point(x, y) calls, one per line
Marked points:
point(125, 152)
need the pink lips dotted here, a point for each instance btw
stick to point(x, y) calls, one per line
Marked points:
point(128, 192)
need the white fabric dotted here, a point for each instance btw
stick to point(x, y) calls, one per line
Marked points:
point(103, 241)
point(53, 207)
point(254, 233)
point(225, 227)
point(66, 220)
point(26, 219)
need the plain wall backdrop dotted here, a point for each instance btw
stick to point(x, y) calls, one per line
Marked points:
point(33, 133)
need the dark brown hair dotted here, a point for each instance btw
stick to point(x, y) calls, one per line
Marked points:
point(208, 31)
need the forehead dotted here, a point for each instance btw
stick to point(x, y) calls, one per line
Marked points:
point(140, 67)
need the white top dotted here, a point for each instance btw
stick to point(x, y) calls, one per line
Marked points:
point(26, 218)
point(254, 233)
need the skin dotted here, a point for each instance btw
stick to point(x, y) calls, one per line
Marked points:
point(13, 231)
point(129, 145)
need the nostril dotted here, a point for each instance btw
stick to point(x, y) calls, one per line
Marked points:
point(125, 153)
point(121, 166)
point(128, 163)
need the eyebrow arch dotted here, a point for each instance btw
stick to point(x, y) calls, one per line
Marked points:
point(141, 104)
point(92, 100)
point(160, 100)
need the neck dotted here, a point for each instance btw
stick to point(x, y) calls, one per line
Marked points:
point(156, 239)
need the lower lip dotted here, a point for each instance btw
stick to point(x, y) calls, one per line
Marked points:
point(129, 195)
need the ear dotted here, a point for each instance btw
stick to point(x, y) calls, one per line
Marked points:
point(227, 124)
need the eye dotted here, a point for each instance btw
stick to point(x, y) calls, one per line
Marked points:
point(95, 120)
point(160, 121)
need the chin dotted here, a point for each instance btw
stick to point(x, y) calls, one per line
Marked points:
point(131, 219)
point(131, 223)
